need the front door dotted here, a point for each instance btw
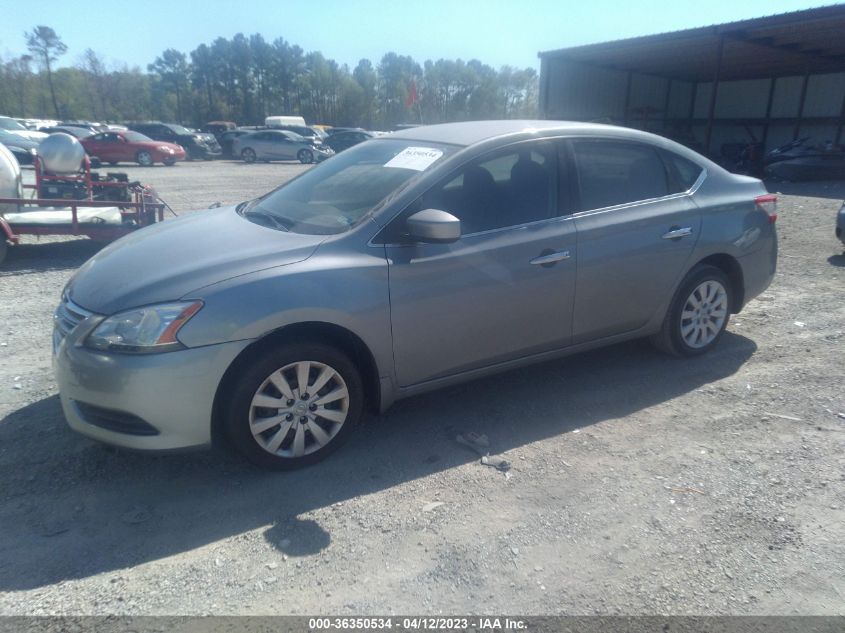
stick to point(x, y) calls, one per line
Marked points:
point(502, 291)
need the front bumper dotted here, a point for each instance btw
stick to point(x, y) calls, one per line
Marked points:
point(147, 402)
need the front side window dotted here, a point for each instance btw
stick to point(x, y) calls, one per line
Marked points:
point(337, 194)
point(612, 173)
point(512, 187)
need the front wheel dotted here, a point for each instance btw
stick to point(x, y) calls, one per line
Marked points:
point(169, 162)
point(698, 315)
point(305, 156)
point(144, 159)
point(248, 155)
point(294, 405)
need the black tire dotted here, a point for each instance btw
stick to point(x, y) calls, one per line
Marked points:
point(169, 162)
point(670, 338)
point(248, 155)
point(305, 156)
point(112, 162)
point(144, 158)
point(4, 247)
point(257, 372)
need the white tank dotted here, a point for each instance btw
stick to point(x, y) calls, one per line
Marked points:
point(61, 154)
point(10, 179)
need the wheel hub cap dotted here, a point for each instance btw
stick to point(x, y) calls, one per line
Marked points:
point(704, 314)
point(299, 409)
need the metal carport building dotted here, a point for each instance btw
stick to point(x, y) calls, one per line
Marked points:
point(777, 78)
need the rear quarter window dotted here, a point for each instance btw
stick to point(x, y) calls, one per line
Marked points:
point(685, 172)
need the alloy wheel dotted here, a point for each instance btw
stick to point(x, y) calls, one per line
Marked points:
point(145, 159)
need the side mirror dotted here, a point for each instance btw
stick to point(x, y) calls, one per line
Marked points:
point(434, 226)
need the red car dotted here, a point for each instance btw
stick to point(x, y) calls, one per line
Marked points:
point(133, 147)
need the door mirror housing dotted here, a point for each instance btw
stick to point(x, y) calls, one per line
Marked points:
point(434, 226)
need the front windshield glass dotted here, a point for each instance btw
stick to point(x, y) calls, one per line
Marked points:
point(10, 124)
point(136, 137)
point(336, 195)
point(178, 129)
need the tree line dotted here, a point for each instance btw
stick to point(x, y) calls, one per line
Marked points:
point(246, 78)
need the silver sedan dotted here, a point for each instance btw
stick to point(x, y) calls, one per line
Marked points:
point(268, 145)
point(407, 263)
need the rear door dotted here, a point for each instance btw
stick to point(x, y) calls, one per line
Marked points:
point(636, 232)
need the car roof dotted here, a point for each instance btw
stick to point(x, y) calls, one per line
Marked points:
point(471, 132)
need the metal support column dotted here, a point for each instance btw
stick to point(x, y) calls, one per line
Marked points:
point(628, 97)
point(666, 104)
point(768, 112)
point(797, 129)
point(711, 111)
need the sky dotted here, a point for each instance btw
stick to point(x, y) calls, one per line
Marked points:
point(497, 32)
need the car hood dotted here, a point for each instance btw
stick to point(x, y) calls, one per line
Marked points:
point(29, 135)
point(10, 139)
point(169, 260)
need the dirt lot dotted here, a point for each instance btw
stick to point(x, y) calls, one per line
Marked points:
point(640, 484)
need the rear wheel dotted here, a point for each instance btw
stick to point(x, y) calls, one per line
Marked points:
point(248, 155)
point(305, 156)
point(698, 315)
point(144, 158)
point(294, 405)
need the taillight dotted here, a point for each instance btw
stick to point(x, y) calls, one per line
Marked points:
point(769, 204)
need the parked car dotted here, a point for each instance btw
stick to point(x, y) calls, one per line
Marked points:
point(15, 129)
point(23, 149)
point(227, 141)
point(78, 132)
point(218, 127)
point(311, 133)
point(196, 144)
point(268, 145)
point(131, 147)
point(344, 140)
point(88, 125)
point(410, 262)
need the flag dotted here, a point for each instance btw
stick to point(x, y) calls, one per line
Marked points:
point(413, 97)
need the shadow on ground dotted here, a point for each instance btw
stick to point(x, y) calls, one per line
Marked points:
point(72, 509)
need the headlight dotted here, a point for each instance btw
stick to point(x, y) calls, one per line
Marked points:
point(165, 149)
point(147, 330)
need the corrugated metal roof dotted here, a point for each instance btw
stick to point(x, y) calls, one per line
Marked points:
point(792, 43)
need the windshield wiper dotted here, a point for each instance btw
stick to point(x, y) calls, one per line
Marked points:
point(267, 216)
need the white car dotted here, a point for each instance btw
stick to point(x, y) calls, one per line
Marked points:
point(11, 126)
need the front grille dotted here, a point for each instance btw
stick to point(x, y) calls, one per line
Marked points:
point(68, 315)
point(112, 420)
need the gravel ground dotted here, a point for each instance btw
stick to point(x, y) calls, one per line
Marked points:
point(640, 484)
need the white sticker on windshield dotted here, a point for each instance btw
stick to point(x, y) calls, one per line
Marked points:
point(416, 158)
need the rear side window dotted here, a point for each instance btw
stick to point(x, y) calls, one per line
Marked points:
point(611, 173)
point(686, 172)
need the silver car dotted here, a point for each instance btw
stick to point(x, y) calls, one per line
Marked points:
point(268, 145)
point(412, 261)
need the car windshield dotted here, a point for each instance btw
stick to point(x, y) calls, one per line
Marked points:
point(10, 124)
point(178, 129)
point(136, 137)
point(334, 196)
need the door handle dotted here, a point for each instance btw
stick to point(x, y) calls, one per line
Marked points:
point(677, 233)
point(548, 259)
